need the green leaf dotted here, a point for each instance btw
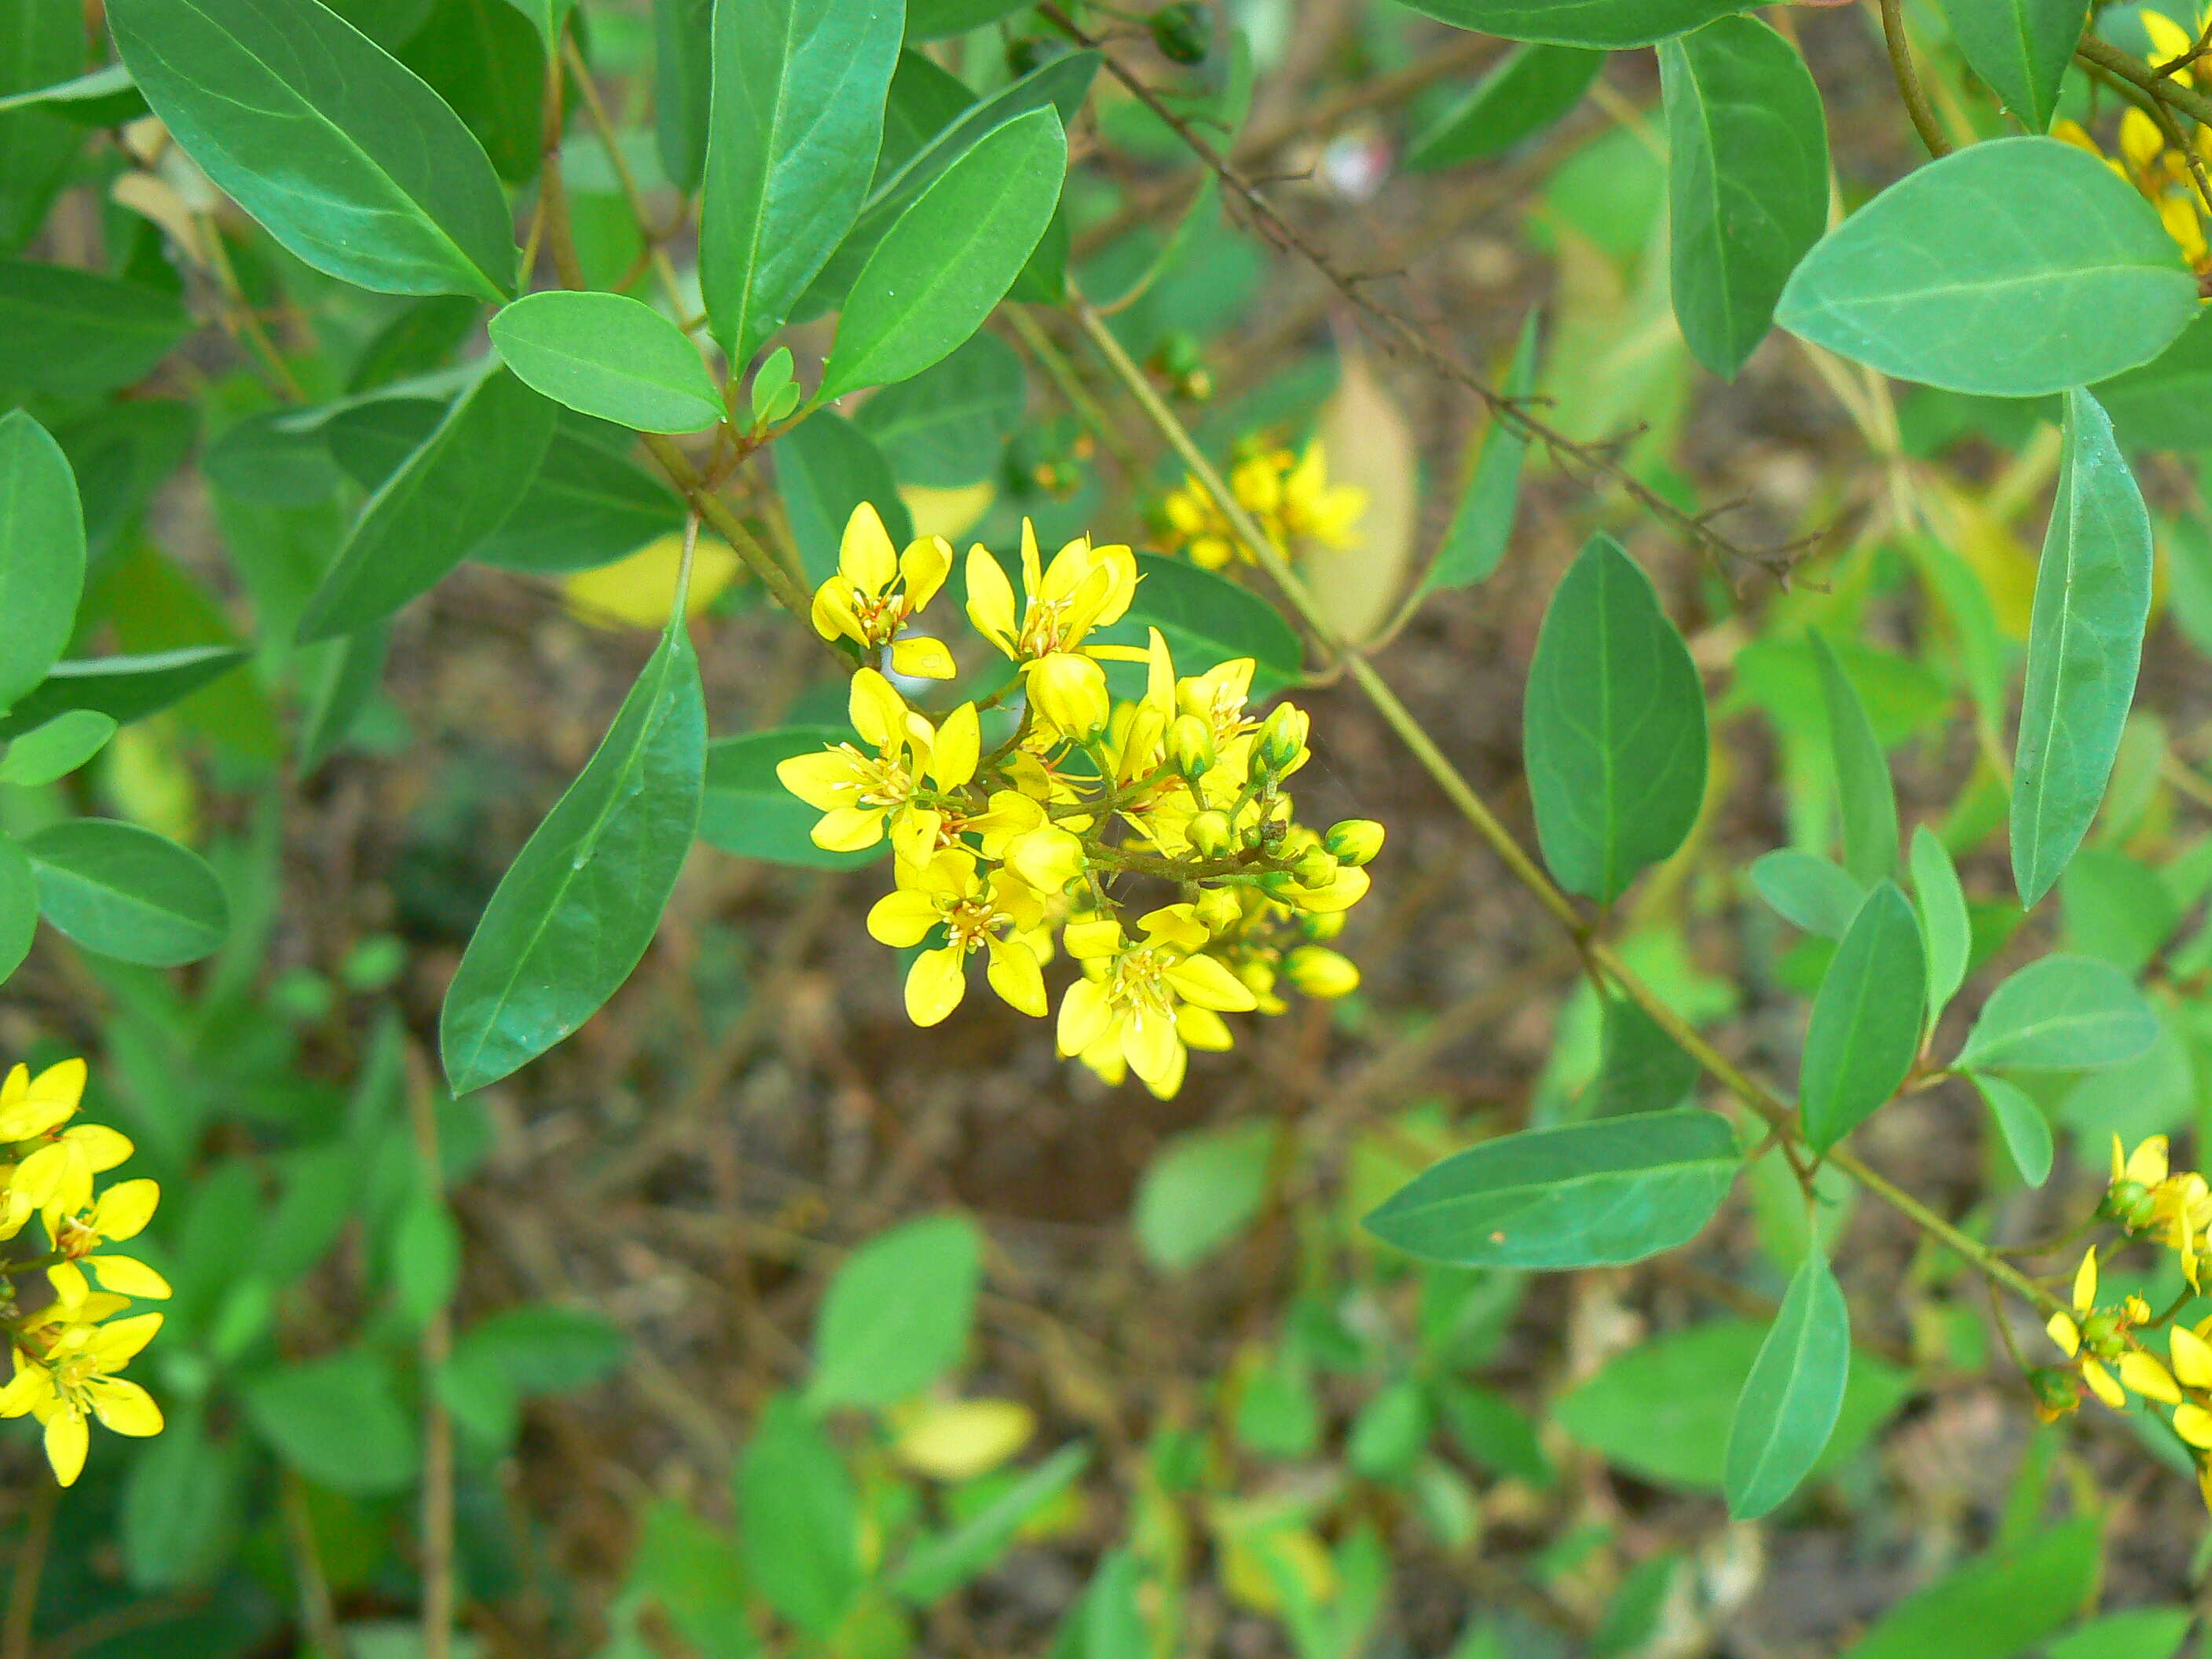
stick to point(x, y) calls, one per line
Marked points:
point(426, 1258)
point(1951, 277)
point(1532, 86)
point(337, 1421)
point(1206, 618)
point(182, 1501)
point(2026, 1130)
point(1865, 1029)
point(2167, 403)
point(682, 88)
point(41, 554)
point(583, 899)
point(19, 905)
point(2020, 47)
point(1746, 180)
point(609, 356)
point(1864, 793)
point(484, 59)
point(1609, 23)
point(1614, 727)
point(125, 689)
point(1640, 1068)
point(929, 20)
point(948, 425)
point(344, 155)
point(1996, 1608)
point(1586, 1195)
point(55, 749)
point(417, 340)
point(2062, 1013)
point(950, 256)
point(1807, 891)
point(584, 507)
point(1200, 1189)
point(541, 1349)
point(799, 1521)
point(2092, 592)
point(41, 47)
point(826, 466)
point(2137, 1633)
point(1482, 527)
point(748, 812)
point(444, 500)
point(548, 17)
point(798, 118)
point(126, 892)
point(1791, 1400)
point(340, 689)
point(898, 1316)
point(939, 1566)
point(1946, 928)
point(1496, 1433)
point(925, 99)
point(73, 334)
point(91, 86)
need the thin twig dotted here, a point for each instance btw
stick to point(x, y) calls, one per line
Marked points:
point(2104, 55)
point(436, 1348)
point(1908, 79)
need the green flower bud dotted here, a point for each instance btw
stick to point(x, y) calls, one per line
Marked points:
point(1181, 32)
point(1354, 840)
point(2056, 1392)
point(1314, 868)
point(1190, 746)
point(1321, 973)
point(1211, 835)
point(1217, 909)
point(1282, 741)
point(1322, 925)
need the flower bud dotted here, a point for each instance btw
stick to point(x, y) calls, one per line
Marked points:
point(1190, 746)
point(1354, 840)
point(1217, 908)
point(1047, 859)
point(1211, 835)
point(1322, 927)
point(1319, 972)
point(1314, 868)
point(1282, 741)
point(1069, 691)
point(1180, 32)
point(2130, 1204)
point(2056, 1392)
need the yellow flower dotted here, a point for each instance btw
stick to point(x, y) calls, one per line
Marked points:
point(877, 591)
point(56, 1179)
point(2164, 176)
point(75, 1378)
point(1290, 497)
point(2066, 1330)
point(1312, 509)
point(978, 912)
point(1146, 1003)
point(30, 1107)
point(859, 793)
point(121, 1212)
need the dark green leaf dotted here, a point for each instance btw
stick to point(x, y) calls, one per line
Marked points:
point(1864, 793)
point(1951, 277)
point(798, 91)
point(799, 1519)
point(898, 1316)
point(1746, 180)
point(41, 48)
point(924, 101)
point(419, 338)
point(485, 60)
point(1206, 618)
point(122, 453)
point(343, 684)
point(1791, 1400)
point(1495, 1433)
point(927, 19)
point(182, 1502)
point(126, 892)
point(124, 688)
point(826, 466)
point(342, 152)
point(948, 425)
point(1613, 729)
point(584, 507)
point(2026, 1130)
point(540, 1349)
point(273, 458)
point(747, 810)
point(19, 905)
point(1807, 891)
point(430, 514)
point(950, 257)
point(56, 748)
point(337, 1421)
point(547, 17)
point(2084, 642)
point(1199, 1190)
point(1866, 1020)
point(940, 1565)
point(608, 356)
point(683, 84)
point(2167, 403)
point(1608, 23)
point(1585, 1195)
point(2020, 47)
point(582, 902)
point(1640, 1068)
point(2061, 1014)
point(1531, 88)
point(1946, 928)
point(1482, 528)
point(73, 334)
point(41, 555)
point(1996, 1608)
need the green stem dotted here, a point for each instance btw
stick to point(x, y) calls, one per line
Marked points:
point(2189, 102)
point(1908, 79)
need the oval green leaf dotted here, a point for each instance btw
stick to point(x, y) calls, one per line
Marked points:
point(1615, 728)
point(1608, 23)
point(2026, 1132)
point(128, 893)
point(948, 426)
point(1790, 1401)
point(1864, 791)
point(41, 554)
point(344, 155)
point(2063, 1013)
point(1952, 277)
point(2020, 47)
point(609, 356)
point(583, 899)
point(1746, 180)
point(55, 749)
point(898, 1315)
point(1807, 891)
point(1585, 1195)
point(1946, 927)
point(1532, 87)
point(951, 257)
point(1865, 1029)
point(2093, 592)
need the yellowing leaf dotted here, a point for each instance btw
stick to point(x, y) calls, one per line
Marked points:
point(2006, 566)
point(1252, 1557)
point(949, 513)
point(636, 592)
point(960, 1439)
point(1369, 446)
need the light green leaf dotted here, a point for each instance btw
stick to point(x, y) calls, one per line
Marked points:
point(898, 1316)
point(1586, 1195)
point(342, 152)
point(56, 748)
point(2026, 1130)
point(941, 1564)
point(2061, 1013)
point(1532, 86)
point(73, 333)
point(2020, 47)
point(337, 1420)
point(1946, 928)
point(126, 892)
point(19, 905)
point(2084, 643)
point(41, 554)
point(948, 426)
point(2137, 1633)
point(1865, 1028)
point(1951, 277)
point(103, 83)
point(798, 118)
point(799, 1519)
point(1790, 1402)
point(583, 899)
point(1746, 180)
point(125, 689)
point(1614, 727)
point(444, 500)
point(426, 1258)
point(1864, 792)
point(609, 356)
point(1482, 527)
point(1200, 1189)
point(951, 257)
point(1996, 1608)
point(1807, 891)
point(748, 812)
point(1610, 23)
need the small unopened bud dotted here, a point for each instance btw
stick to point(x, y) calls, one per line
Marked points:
point(1045, 858)
point(1069, 691)
point(1354, 840)
point(1322, 927)
point(1211, 835)
point(1321, 973)
point(1217, 909)
point(1190, 746)
point(2056, 1392)
point(1282, 741)
point(1180, 32)
point(2130, 1204)
point(1314, 868)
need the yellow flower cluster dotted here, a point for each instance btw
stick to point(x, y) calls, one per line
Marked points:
point(2166, 176)
point(67, 1343)
point(1290, 496)
point(1078, 796)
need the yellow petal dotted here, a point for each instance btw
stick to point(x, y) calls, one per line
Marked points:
point(69, 1281)
point(824, 780)
point(2193, 1424)
point(991, 598)
point(2102, 1385)
point(2120, 1155)
point(1085, 1018)
point(2148, 1163)
point(1151, 1047)
point(2192, 1356)
point(2084, 1283)
point(959, 747)
point(914, 833)
point(125, 1209)
point(922, 659)
point(1048, 860)
point(849, 829)
point(960, 1439)
point(865, 555)
point(100, 1147)
point(117, 1343)
point(935, 984)
point(902, 919)
point(2063, 1331)
point(67, 1438)
point(878, 712)
point(1014, 974)
point(123, 1407)
point(1208, 982)
point(128, 1276)
point(2144, 1375)
point(925, 564)
point(1201, 1028)
point(1087, 940)
point(32, 1386)
point(1069, 691)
